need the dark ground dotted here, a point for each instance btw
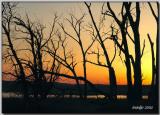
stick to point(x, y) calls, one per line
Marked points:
point(73, 105)
point(70, 105)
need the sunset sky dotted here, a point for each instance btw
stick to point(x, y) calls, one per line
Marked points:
point(44, 12)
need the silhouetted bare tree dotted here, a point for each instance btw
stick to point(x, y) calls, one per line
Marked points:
point(137, 49)
point(34, 33)
point(8, 13)
point(153, 61)
point(153, 95)
point(112, 76)
point(123, 29)
point(76, 24)
point(67, 59)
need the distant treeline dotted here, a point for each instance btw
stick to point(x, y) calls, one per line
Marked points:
point(13, 86)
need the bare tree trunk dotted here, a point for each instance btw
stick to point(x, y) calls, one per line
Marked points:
point(157, 58)
point(152, 96)
point(153, 61)
point(85, 76)
point(137, 68)
point(113, 86)
point(78, 85)
point(137, 91)
point(128, 65)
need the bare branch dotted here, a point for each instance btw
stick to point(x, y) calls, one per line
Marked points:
point(130, 36)
point(91, 44)
point(61, 25)
point(51, 32)
point(143, 48)
point(98, 64)
point(114, 56)
point(153, 12)
point(132, 60)
point(113, 14)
